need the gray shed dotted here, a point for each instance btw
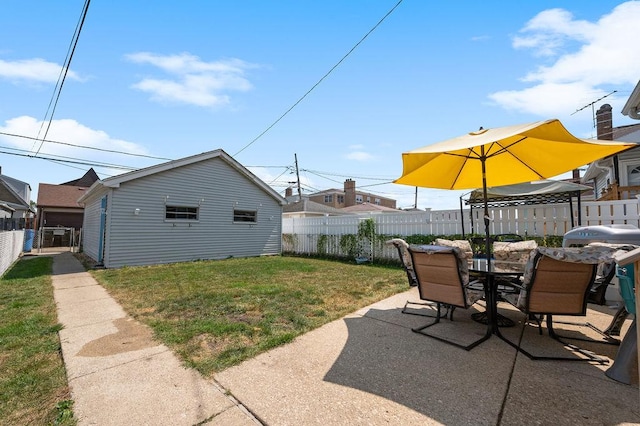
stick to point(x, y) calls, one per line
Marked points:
point(207, 206)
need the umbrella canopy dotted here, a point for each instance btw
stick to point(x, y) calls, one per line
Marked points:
point(502, 156)
point(509, 155)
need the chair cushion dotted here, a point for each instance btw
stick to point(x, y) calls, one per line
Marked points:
point(591, 254)
point(402, 246)
point(463, 245)
point(518, 251)
point(472, 295)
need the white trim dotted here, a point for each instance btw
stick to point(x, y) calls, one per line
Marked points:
point(625, 166)
point(632, 107)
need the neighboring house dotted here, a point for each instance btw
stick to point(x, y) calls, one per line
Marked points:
point(616, 177)
point(370, 208)
point(632, 107)
point(15, 198)
point(58, 204)
point(308, 208)
point(350, 196)
point(206, 206)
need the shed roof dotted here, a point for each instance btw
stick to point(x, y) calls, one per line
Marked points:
point(115, 181)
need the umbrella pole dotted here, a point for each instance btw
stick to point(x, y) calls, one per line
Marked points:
point(462, 216)
point(490, 290)
point(487, 241)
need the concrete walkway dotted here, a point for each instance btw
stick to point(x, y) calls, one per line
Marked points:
point(367, 368)
point(117, 373)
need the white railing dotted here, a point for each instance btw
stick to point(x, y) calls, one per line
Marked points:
point(11, 243)
point(324, 235)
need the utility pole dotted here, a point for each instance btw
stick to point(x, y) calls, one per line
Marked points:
point(298, 178)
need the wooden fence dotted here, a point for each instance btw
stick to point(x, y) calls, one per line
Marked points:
point(326, 235)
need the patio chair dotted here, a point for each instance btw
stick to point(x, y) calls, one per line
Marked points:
point(598, 291)
point(405, 258)
point(557, 282)
point(443, 278)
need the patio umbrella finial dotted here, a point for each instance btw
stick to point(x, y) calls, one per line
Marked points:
point(480, 131)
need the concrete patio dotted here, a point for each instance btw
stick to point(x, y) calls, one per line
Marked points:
point(370, 368)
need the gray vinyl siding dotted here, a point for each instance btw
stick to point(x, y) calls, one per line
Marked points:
point(91, 226)
point(211, 185)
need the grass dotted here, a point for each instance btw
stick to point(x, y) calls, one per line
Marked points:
point(215, 314)
point(33, 379)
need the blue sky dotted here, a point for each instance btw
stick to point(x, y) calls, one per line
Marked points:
point(173, 79)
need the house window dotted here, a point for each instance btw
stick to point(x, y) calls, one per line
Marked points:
point(377, 201)
point(180, 213)
point(340, 199)
point(245, 216)
point(634, 176)
point(368, 199)
point(359, 199)
point(328, 198)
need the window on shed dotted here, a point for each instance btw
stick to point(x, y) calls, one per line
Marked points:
point(245, 216)
point(181, 213)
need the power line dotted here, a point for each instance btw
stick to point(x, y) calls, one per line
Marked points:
point(321, 79)
point(66, 160)
point(346, 176)
point(86, 147)
point(63, 74)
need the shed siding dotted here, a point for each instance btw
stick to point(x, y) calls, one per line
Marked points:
point(213, 186)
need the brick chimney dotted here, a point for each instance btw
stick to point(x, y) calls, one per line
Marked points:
point(349, 193)
point(576, 176)
point(604, 123)
point(288, 192)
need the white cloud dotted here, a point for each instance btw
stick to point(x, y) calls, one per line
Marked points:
point(67, 131)
point(33, 70)
point(194, 81)
point(586, 57)
point(359, 156)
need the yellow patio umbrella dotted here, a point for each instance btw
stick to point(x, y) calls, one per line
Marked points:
point(502, 156)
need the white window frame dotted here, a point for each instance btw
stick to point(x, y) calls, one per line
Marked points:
point(189, 213)
point(247, 216)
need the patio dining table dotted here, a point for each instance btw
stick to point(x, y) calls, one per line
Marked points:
point(496, 270)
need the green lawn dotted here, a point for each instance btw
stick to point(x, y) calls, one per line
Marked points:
point(215, 314)
point(33, 382)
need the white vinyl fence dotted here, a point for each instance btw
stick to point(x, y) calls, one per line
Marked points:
point(11, 243)
point(334, 235)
